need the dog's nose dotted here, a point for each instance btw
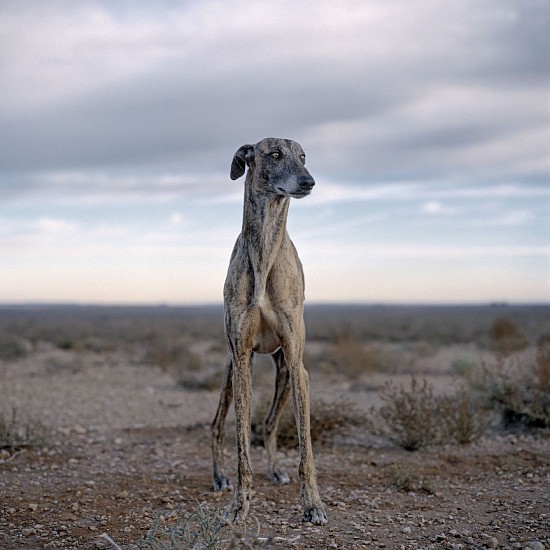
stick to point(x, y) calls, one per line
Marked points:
point(306, 183)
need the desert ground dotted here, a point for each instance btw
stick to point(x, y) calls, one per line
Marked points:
point(105, 429)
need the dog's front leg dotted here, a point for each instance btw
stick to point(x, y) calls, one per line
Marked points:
point(314, 510)
point(238, 510)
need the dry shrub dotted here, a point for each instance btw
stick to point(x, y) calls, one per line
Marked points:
point(350, 356)
point(13, 348)
point(464, 419)
point(464, 367)
point(519, 387)
point(15, 435)
point(405, 478)
point(506, 336)
point(202, 528)
point(542, 367)
point(167, 353)
point(208, 379)
point(327, 420)
point(187, 368)
point(415, 417)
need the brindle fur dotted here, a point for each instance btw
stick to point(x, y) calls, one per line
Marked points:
point(264, 306)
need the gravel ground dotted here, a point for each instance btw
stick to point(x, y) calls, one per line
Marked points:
point(123, 447)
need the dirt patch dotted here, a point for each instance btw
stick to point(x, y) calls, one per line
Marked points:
point(124, 447)
point(68, 494)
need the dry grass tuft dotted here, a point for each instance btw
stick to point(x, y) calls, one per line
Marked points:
point(203, 528)
point(415, 417)
point(189, 369)
point(518, 387)
point(405, 478)
point(327, 420)
point(15, 435)
point(13, 348)
point(506, 337)
point(350, 356)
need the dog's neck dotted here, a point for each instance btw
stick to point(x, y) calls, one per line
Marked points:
point(264, 230)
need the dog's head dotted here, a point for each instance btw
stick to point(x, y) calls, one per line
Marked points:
point(277, 165)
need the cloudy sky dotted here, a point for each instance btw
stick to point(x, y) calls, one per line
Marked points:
point(426, 124)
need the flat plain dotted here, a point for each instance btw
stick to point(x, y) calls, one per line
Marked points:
point(105, 429)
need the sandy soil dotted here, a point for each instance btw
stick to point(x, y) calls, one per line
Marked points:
point(124, 446)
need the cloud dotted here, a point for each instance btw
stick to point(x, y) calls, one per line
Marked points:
point(433, 192)
point(436, 252)
point(92, 186)
point(389, 90)
point(436, 208)
point(422, 120)
point(55, 226)
point(511, 218)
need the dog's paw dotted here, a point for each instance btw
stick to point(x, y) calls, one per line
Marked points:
point(279, 476)
point(222, 483)
point(316, 515)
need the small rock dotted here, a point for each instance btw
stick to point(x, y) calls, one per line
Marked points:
point(492, 542)
point(28, 531)
point(406, 530)
point(122, 495)
point(33, 506)
point(534, 545)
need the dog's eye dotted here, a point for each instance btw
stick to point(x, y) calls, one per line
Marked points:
point(276, 155)
point(303, 158)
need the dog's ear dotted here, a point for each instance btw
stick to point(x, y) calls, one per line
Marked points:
point(242, 157)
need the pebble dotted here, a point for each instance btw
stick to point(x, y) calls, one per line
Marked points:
point(122, 495)
point(534, 545)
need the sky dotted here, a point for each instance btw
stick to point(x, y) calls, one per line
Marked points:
point(426, 125)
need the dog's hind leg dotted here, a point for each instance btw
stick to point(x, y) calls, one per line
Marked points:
point(221, 481)
point(275, 473)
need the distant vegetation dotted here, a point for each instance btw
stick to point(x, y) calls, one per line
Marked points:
point(511, 375)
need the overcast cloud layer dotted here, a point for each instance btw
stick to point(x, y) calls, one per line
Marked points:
point(426, 124)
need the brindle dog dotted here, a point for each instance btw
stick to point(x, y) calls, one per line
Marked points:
point(264, 313)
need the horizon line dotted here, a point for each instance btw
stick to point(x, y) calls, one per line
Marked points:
point(219, 303)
